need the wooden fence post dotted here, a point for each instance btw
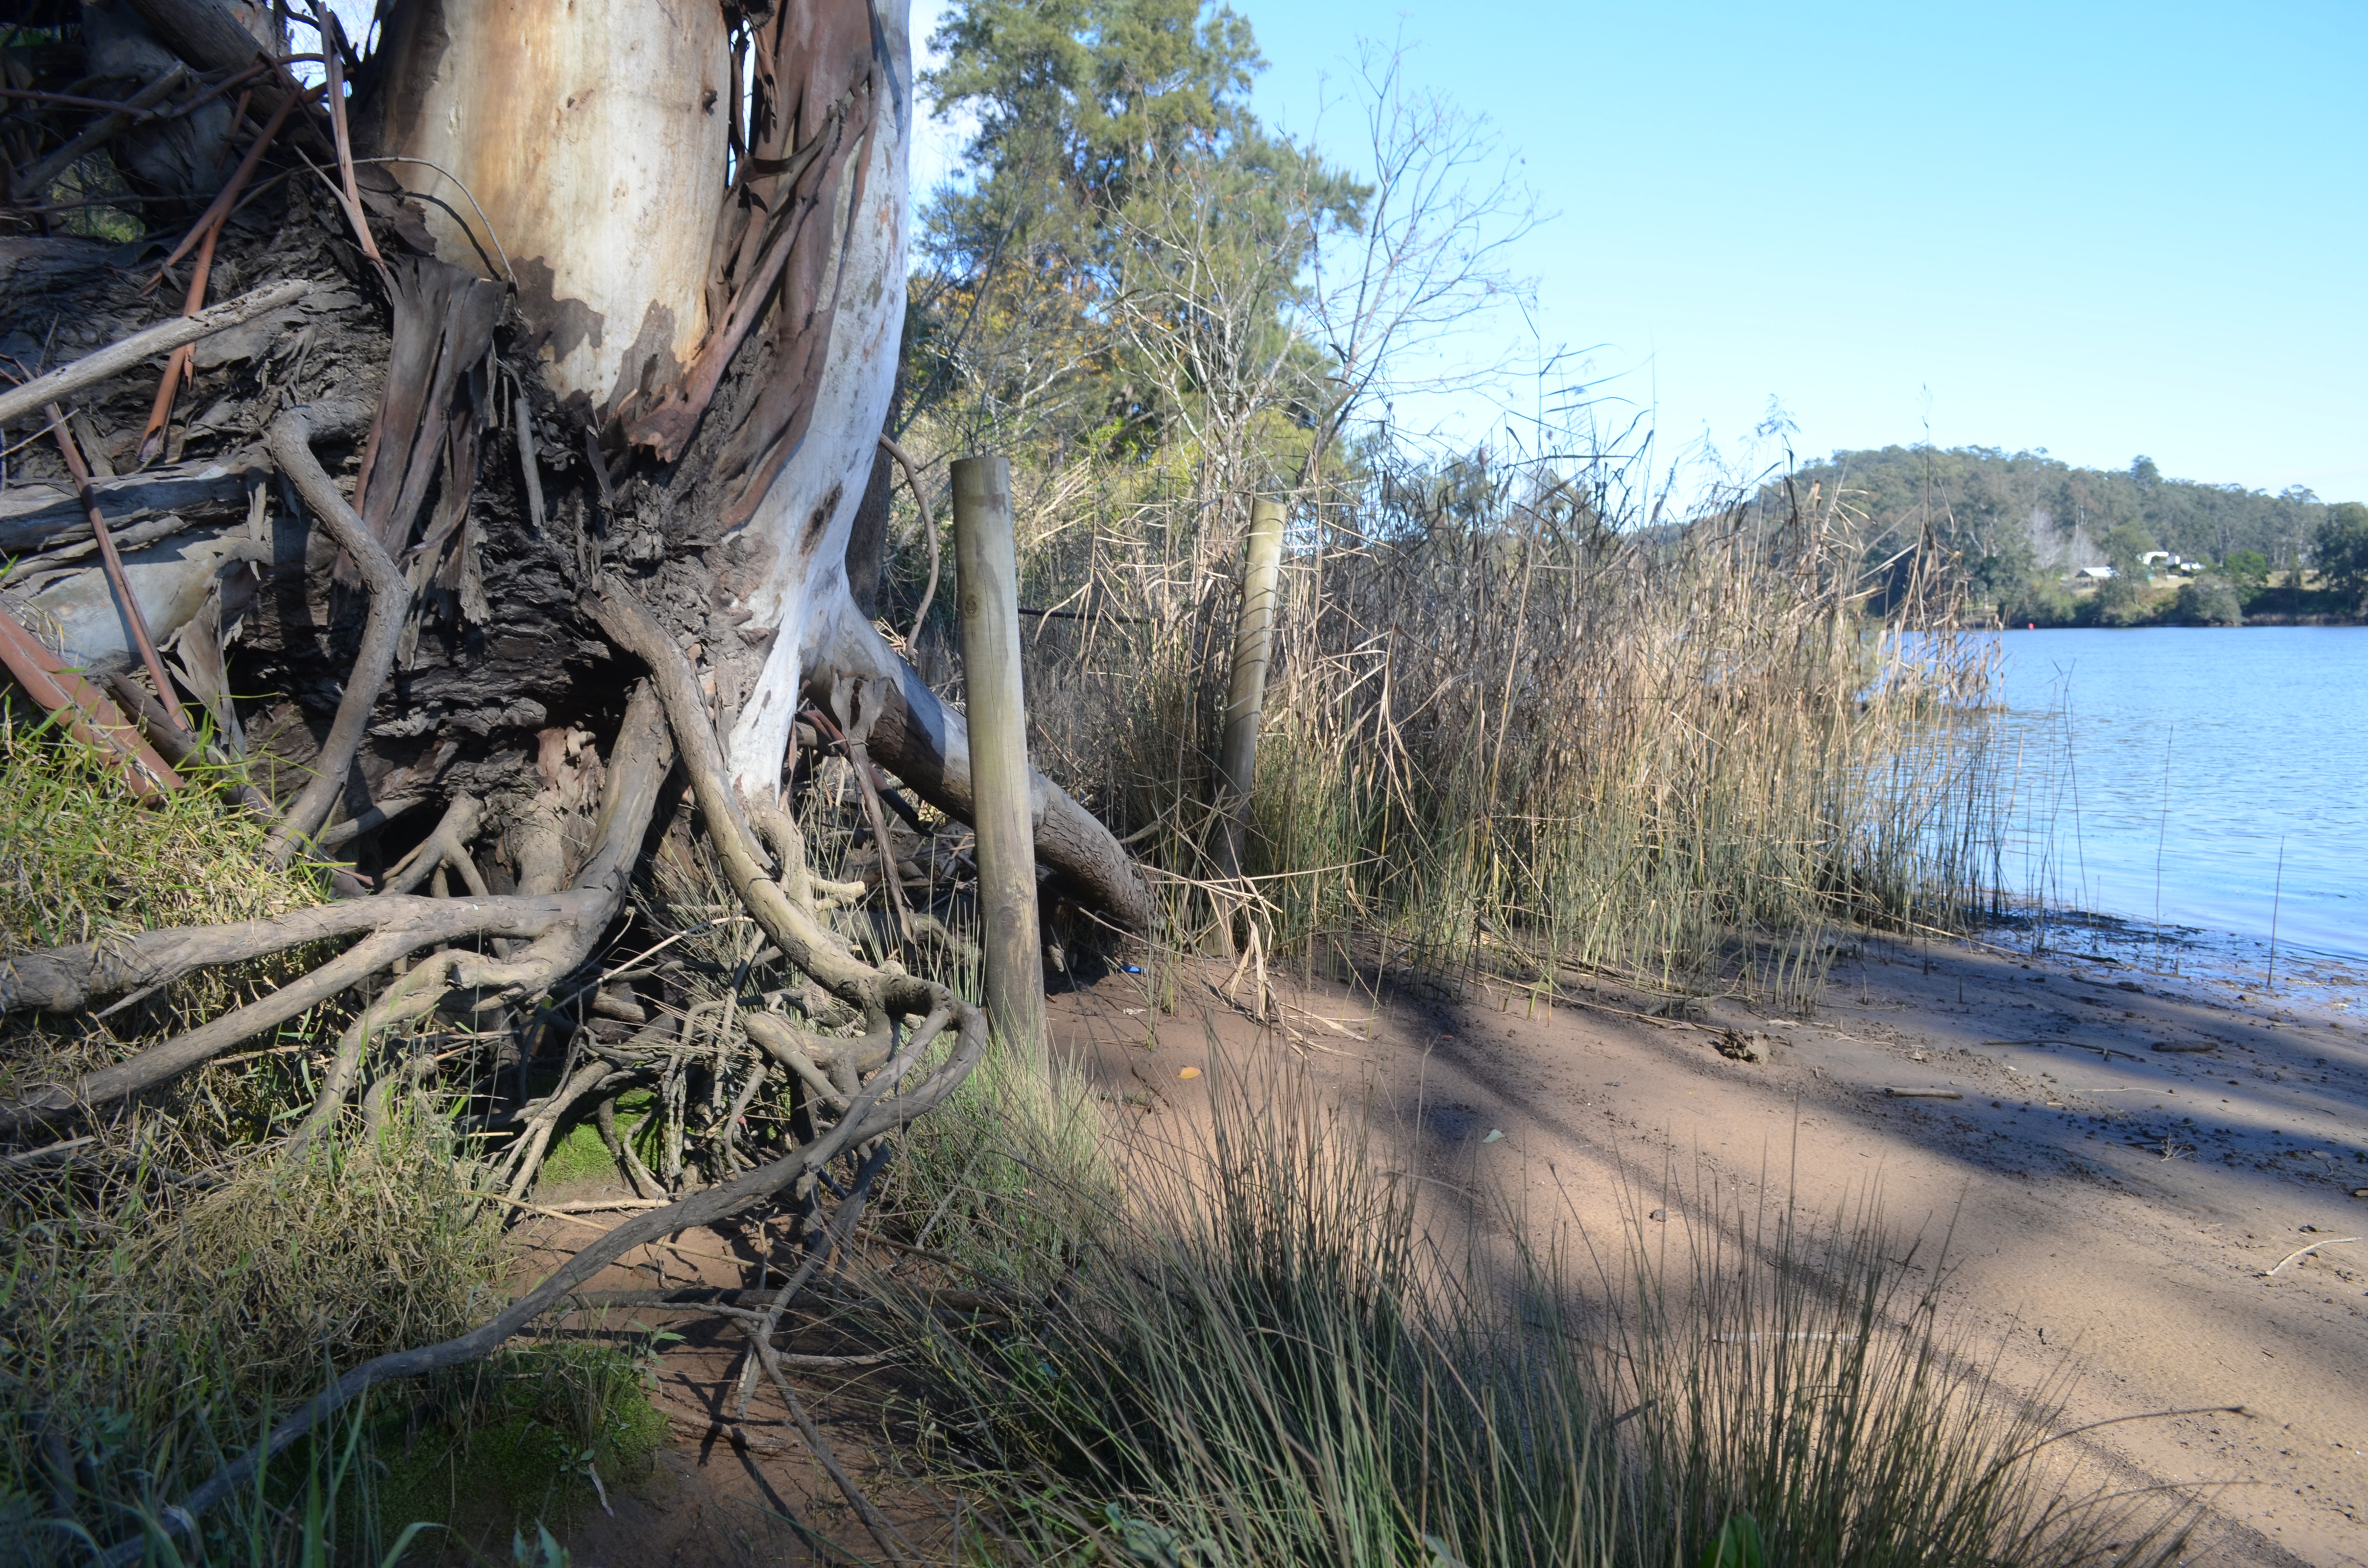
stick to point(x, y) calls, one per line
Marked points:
point(986, 579)
point(1253, 643)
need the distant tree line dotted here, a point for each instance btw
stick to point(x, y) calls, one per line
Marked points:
point(2017, 523)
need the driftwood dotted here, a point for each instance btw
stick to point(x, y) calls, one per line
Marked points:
point(2306, 1252)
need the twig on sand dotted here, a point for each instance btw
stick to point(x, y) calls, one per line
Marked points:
point(1900, 1094)
point(891, 1540)
point(2306, 1252)
point(2105, 1051)
point(728, 1432)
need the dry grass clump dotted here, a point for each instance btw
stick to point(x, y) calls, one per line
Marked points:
point(156, 1319)
point(81, 860)
point(1264, 1356)
point(171, 1282)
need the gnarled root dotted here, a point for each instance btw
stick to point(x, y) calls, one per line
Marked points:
point(875, 1114)
point(291, 444)
point(562, 930)
point(856, 1079)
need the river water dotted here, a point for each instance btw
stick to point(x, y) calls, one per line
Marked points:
point(2213, 779)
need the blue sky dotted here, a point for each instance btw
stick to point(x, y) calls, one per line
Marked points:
point(2100, 229)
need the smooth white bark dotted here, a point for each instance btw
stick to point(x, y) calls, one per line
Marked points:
point(594, 135)
point(802, 580)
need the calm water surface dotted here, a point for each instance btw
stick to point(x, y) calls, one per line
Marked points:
point(2172, 765)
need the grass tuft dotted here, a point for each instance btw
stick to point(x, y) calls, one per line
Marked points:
point(1273, 1352)
point(155, 1320)
point(81, 860)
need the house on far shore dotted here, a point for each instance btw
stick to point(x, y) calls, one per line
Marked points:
point(2094, 574)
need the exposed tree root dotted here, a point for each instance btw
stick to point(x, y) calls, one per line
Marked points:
point(290, 445)
point(828, 120)
point(875, 1114)
point(562, 931)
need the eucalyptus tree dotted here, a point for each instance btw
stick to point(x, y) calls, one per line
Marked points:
point(536, 504)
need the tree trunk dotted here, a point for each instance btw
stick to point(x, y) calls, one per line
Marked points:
point(705, 326)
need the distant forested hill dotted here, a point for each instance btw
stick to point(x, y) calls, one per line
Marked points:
point(2021, 519)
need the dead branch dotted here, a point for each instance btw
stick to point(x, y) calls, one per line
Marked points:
point(378, 814)
point(113, 562)
point(163, 338)
point(787, 1046)
point(87, 714)
point(842, 1225)
point(208, 232)
point(332, 47)
point(2306, 1252)
point(891, 1541)
point(928, 528)
point(29, 184)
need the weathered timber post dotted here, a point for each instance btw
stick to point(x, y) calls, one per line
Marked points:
point(1253, 643)
point(987, 577)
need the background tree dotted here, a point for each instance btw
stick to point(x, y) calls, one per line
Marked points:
point(1076, 103)
point(2021, 519)
point(2342, 547)
point(2248, 570)
point(2209, 600)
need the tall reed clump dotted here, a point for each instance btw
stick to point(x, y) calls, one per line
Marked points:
point(1514, 722)
point(1262, 1357)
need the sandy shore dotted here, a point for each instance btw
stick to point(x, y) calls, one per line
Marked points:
point(2115, 1210)
point(2118, 1213)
